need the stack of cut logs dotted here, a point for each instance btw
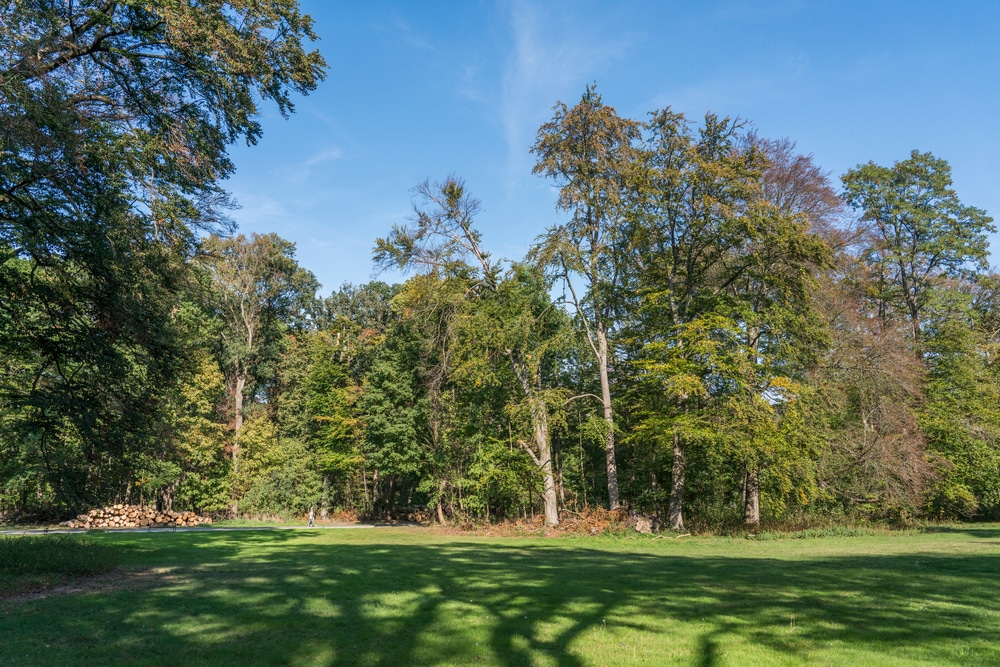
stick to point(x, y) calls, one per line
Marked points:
point(135, 516)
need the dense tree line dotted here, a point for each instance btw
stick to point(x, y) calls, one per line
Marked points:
point(718, 333)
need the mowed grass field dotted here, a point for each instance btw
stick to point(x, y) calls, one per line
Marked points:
point(417, 597)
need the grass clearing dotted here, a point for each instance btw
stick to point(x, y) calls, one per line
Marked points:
point(416, 597)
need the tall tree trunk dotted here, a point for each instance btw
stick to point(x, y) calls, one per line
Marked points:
point(324, 507)
point(609, 442)
point(751, 493)
point(751, 499)
point(241, 381)
point(540, 418)
point(911, 306)
point(560, 480)
point(168, 497)
point(677, 470)
point(440, 503)
point(542, 455)
point(391, 499)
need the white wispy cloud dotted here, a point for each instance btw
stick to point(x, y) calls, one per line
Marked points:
point(551, 58)
point(260, 211)
point(298, 173)
point(470, 84)
point(322, 156)
point(403, 33)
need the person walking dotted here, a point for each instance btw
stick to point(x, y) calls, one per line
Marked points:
point(312, 517)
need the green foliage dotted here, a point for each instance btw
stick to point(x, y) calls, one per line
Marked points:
point(332, 397)
point(258, 291)
point(590, 152)
point(720, 359)
point(724, 325)
point(367, 308)
point(394, 405)
point(199, 438)
point(920, 231)
point(275, 475)
point(316, 405)
point(400, 440)
point(962, 414)
point(494, 339)
point(114, 124)
point(91, 357)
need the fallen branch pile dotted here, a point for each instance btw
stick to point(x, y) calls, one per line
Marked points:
point(135, 516)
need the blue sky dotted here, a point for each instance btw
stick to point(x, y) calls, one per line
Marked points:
point(422, 90)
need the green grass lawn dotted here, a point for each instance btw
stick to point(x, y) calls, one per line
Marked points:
point(413, 597)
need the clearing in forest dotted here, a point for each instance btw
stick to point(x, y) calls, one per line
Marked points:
point(417, 597)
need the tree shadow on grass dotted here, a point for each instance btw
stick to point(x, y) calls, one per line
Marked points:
point(283, 598)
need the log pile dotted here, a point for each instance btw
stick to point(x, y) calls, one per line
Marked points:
point(135, 516)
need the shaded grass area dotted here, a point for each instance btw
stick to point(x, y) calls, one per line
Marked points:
point(31, 563)
point(409, 597)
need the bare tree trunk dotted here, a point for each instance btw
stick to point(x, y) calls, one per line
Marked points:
point(241, 381)
point(677, 470)
point(912, 307)
point(609, 442)
point(440, 504)
point(324, 506)
point(549, 498)
point(391, 499)
point(751, 503)
point(168, 497)
point(560, 479)
point(542, 455)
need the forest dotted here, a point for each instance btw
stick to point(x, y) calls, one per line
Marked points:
point(719, 333)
